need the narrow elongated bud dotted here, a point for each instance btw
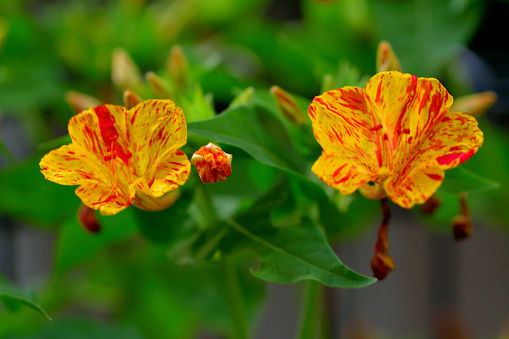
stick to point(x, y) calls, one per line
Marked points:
point(158, 86)
point(475, 104)
point(131, 100)
point(125, 74)
point(244, 97)
point(288, 106)
point(430, 205)
point(386, 59)
point(462, 226)
point(382, 263)
point(179, 68)
point(80, 102)
point(88, 219)
point(212, 163)
point(327, 83)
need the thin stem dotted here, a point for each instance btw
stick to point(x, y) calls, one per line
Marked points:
point(310, 309)
point(235, 299)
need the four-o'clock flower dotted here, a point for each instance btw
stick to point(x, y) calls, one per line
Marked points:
point(392, 139)
point(121, 158)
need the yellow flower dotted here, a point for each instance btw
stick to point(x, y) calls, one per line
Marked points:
point(394, 138)
point(212, 163)
point(121, 157)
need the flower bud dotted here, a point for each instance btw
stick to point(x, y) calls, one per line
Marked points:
point(475, 104)
point(462, 227)
point(158, 86)
point(124, 72)
point(80, 102)
point(429, 207)
point(244, 97)
point(288, 106)
point(212, 163)
point(131, 99)
point(386, 59)
point(88, 219)
point(178, 68)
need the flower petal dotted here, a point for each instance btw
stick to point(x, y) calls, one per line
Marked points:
point(416, 187)
point(100, 197)
point(143, 197)
point(170, 172)
point(348, 130)
point(66, 166)
point(156, 127)
point(409, 108)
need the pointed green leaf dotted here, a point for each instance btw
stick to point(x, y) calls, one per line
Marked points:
point(13, 297)
point(295, 253)
point(461, 179)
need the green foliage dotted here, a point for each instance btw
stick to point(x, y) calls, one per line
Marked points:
point(13, 298)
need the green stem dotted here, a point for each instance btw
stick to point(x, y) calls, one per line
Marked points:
point(235, 299)
point(204, 202)
point(310, 311)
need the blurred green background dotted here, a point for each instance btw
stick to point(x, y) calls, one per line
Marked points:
point(116, 284)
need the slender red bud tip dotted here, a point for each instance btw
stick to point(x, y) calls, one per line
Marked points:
point(131, 100)
point(462, 224)
point(212, 163)
point(80, 102)
point(288, 106)
point(88, 219)
point(386, 59)
point(430, 206)
point(475, 105)
point(179, 69)
point(382, 263)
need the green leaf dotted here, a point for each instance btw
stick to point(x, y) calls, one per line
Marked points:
point(27, 196)
point(460, 179)
point(78, 328)
point(162, 227)
point(75, 244)
point(295, 253)
point(13, 298)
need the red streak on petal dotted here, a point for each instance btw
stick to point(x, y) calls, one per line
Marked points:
point(376, 128)
point(338, 170)
point(451, 157)
point(106, 124)
point(434, 176)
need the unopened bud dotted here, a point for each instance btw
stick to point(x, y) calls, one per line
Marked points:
point(212, 163)
point(88, 219)
point(158, 86)
point(124, 71)
point(462, 227)
point(327, 83)
point(243, 98)
point(462, 224)
point(179, 68)
point(131, 100)
point(288, 106)
point(382, 263)
point(475, 104)
point(80, 102)
point(430, 206)
point(386, 59)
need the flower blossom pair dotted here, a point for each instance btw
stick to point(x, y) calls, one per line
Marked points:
point(122, 157)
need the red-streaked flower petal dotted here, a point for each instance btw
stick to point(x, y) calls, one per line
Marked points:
point(100, 197)
point(156, 127)
point(170, 172)
point(349, 132)
point(67, 167)
point(142, 197)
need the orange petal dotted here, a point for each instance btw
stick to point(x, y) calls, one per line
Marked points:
point(157, 128)
point(66, 166)
point(100, 197)
point(348, 130)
